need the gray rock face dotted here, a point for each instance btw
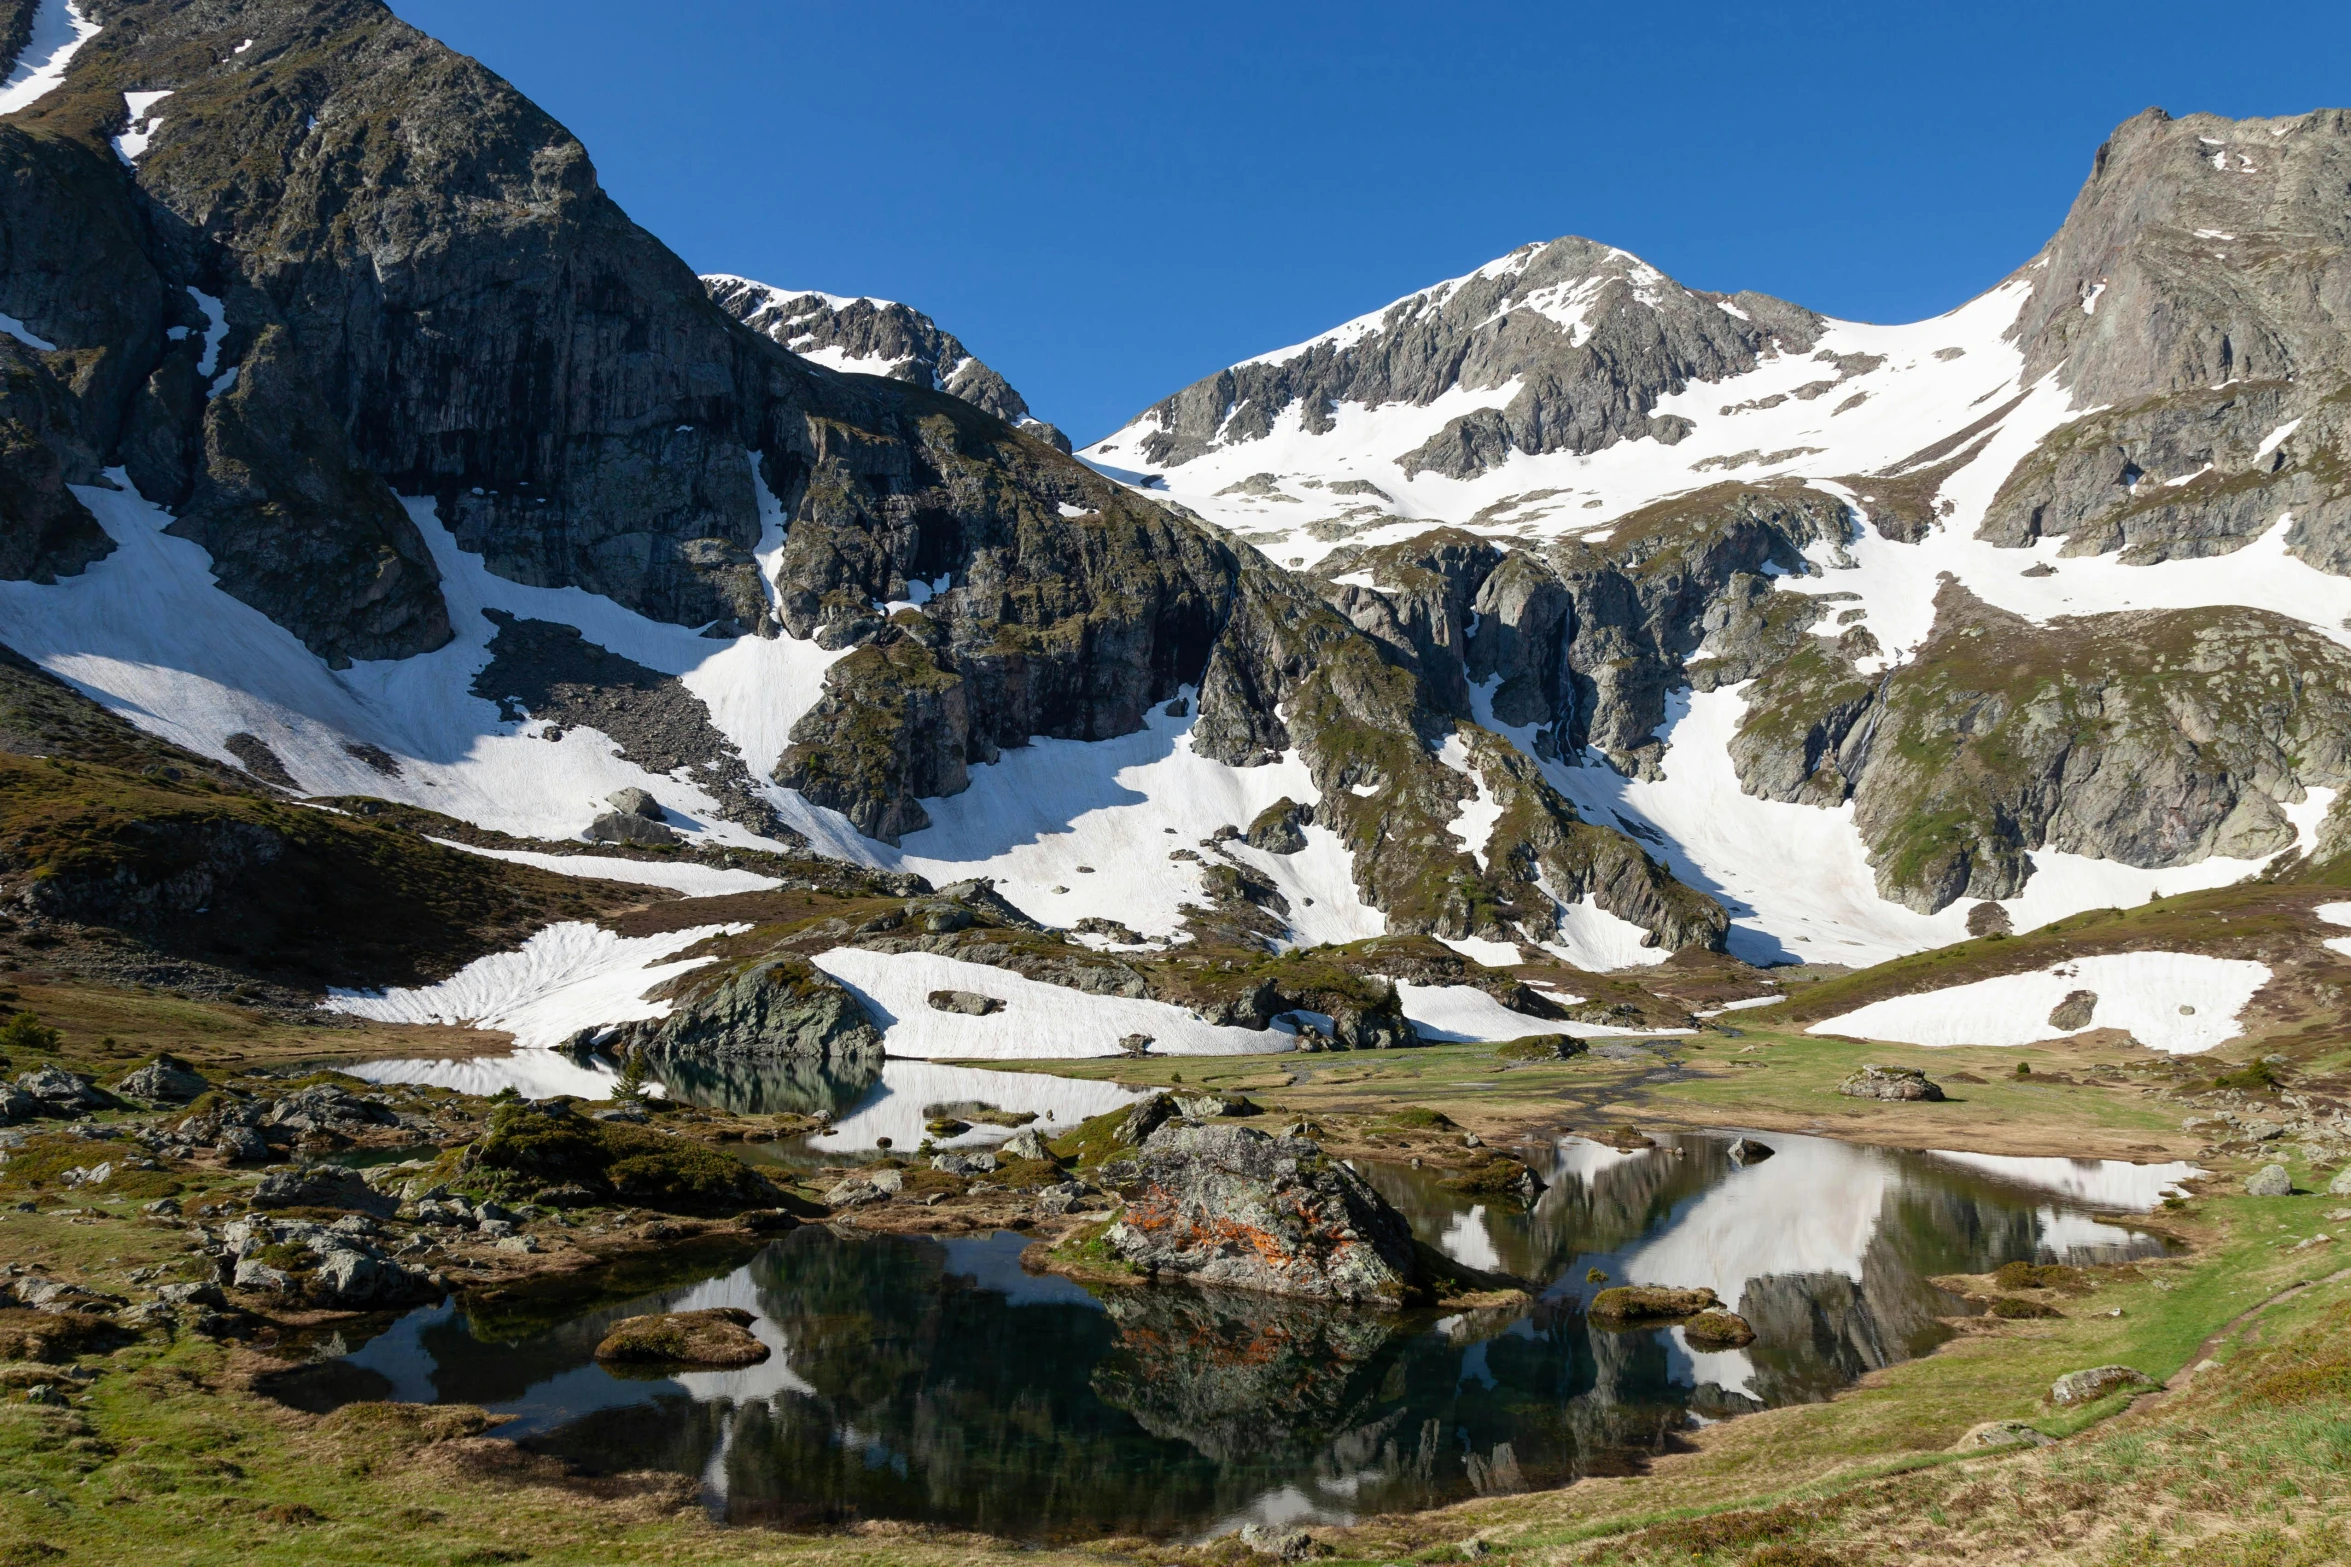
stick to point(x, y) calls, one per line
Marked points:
point(1232, 1207)
point(1281, 827)
point(894, 340)
point(2150, 737)
point(1593, 336)
point(2175, 308)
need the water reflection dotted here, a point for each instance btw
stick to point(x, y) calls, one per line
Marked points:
point(932, 1379)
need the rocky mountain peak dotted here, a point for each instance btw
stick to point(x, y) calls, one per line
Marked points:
point(1577, 340)
point(2165, 274)
point(869, 336)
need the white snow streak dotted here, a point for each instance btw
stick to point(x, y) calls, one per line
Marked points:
point(59, 29)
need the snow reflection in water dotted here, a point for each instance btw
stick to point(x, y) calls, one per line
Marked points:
point(932, 1379)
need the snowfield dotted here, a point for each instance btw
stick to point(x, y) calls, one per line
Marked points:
point(2182, 1003)
point(1038, 1021)
point(566, 978)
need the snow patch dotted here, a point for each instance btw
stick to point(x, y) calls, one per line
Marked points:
point(894, 1107)
point(1038, 1021)
point(145, 122)
point(1493, 954)
point(2182, 1003)
point(59, 30)
point(566, 978)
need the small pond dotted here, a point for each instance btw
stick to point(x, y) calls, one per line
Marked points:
point(933, 1380)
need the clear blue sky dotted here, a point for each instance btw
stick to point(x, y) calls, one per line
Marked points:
point(1107, 201)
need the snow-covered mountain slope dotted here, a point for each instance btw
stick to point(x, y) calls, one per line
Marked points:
point(1678, 489)
point(867, 336)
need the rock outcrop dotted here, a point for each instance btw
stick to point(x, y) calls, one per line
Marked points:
point(1233, 1207)
point(776, 1007)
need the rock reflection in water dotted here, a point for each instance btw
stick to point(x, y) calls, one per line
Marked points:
point(934, 1380)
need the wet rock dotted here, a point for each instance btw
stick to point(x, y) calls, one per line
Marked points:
point(720, 1336)
point(1998, 1434)
point(1890, 1083)
point(966, 1003)
point(1718, 1329)
point(2271, 1180)
point(1650, 1303)
point(1748, 1151)
point(2074, 1012)
point(1230, 1206)
point(2085, 1387)
point(165, 1080)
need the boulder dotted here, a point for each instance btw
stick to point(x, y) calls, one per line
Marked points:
point(1147, 1116)
point(2087, 1387)
point(1718, 1329)
point(1748, 1151)
point(2340, 1186)
point(968, 1003)
point(1230, 1206)
point(2271, 1180)
point(61, 1093)
point(626, 827)
point(720, 1336)
point(2074, 1012)
point(1650, 1303)
point(242, 1144)
point(964, 1163)
point(164, 1080)
point(635, 802)
point(1999, 1434)
point(1027, 1143)
point(1891, 1083)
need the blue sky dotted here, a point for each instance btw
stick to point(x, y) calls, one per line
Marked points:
point(1109, 201)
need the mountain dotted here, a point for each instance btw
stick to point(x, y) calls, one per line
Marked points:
point(353, 436)
point(354, 441)
point(875, 337)
point(2040, 603)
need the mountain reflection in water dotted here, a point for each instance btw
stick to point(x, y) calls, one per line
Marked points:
point(933, 1380)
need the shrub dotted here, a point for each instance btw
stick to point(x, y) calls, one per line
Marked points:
point(26, 1031)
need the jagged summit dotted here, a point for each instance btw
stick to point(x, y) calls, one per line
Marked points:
point(868, 336)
